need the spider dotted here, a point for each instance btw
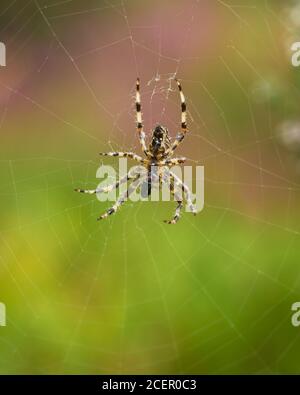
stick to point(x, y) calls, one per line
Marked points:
point(159, 153)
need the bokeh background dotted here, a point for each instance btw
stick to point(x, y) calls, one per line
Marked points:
point(212, 294)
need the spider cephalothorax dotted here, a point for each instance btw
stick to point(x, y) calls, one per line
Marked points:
point(158, 155)
point(160, 142)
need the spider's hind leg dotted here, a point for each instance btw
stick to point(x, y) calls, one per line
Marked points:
point(176, 217)
point(122, 199)
point(187, 193)
point(178, 198)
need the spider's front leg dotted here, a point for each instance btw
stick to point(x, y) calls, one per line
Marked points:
point(180, 136)
point(139, 121)
point(121, 200)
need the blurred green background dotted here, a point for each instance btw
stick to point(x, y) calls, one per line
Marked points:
point(212, 294)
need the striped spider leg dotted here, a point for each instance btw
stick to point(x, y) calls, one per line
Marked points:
point(180, 136)
point(170, 182)
point(139, 121)
point(171, 162)
point(131, 175)
point(122, 199)
point(186, 191)
point(130, 155)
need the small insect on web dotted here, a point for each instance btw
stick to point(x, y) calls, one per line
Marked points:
point(158, 155)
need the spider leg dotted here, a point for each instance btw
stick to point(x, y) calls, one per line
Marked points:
point(171, 162)
point(108, 188)
point(139, 121)
point(178, 198)
point(176, 217)
point(130, 155)
point(180, 136)
point(187, 193)
point(121, 200)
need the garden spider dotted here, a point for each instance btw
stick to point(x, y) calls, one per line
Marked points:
point(158, 154)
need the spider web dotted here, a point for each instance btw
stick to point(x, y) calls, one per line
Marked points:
point(131, 294)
